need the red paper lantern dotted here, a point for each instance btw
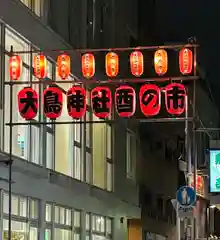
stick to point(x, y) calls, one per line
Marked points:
point(52, 102)
point(15, 67)
point(137, 63)
point(63, 66)
point(40, 66)
point(101, 98)
point(111, 64)
point(160, 62)
point(28, 103)
point(175, 98)
point(185, 61)
point(125, 101)
point(76, 102)
point(150, 99)
point(88, 65)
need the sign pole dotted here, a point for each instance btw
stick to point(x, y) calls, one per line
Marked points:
point(178, 233)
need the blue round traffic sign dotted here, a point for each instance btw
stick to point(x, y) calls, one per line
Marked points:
point(186, 196)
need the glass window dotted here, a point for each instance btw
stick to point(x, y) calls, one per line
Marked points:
point(48, 213)
point(62, 234)
point(88, 167)
point(62, 215)
point(27, 2)
point(77, 132)
point(47, 234)
point(76, 236)
point(33, 209)
point(37, 7)
point(78, 163)
point(19, 230)
point(98, 224)
point(109, 176)
point(49, 152)
point(77, 219)
point(5, 203)
point(98, 153)
point(87, 221)
point(14, 202)
point(108, 226)
point(33, 235)
point(57, 214)
point(88, 125)
point(68, 217)
point(11, 39)
point(23, 206)
point(35, 144)
point(109, 141)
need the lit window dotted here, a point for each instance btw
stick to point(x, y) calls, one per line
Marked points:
point(37, 7)
point(88, 126)
point(78, 163)
point(62, 215)
point(77, 132)
point(108, 226)
point(49, 152)
point(47, 234)
point(77, 218)
point(109, 173)
point(14, 202)
point(27, 2)
point(33, 233)
point(88, 167)
point(33, 209)
point(57, 214)
point(68, 217)
point(62, 234)
point(23, 206)
point(87, 221)
point(48, 213)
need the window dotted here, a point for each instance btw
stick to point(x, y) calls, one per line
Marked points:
point(26, 139)
point(88, 167)
point(19, 230)
point(102, 155)
point(87, 221)
point(62, 215)
point(33, 209)
point(48, 213)
point(130, 155)
point(101, 227)
point(65, 226)
point(77, 219)
point(34, 5)
point(24, 218)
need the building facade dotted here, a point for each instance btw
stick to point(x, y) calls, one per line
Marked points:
point(69, 181)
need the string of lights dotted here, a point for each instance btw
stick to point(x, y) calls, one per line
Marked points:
point(93, 50)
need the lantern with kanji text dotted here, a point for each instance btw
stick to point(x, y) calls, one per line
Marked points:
point(150, 99)
point(137, 63)
point(40, 66)
point(111, 64)
point(175, 98)
point(28, 103)
point(101, 101)
point(125, 101)
point(185, 61)
point(76, 102)
point(15, 67)
point(88, 65)
point(63, 66)
point(52, 102)
point(160, 62)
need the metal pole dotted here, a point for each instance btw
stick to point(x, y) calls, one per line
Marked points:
point(178, 234)
point(194, 154)
point(10, 159)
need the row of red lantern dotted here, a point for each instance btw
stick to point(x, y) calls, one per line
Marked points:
point(111, 64)
point(101, 101)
